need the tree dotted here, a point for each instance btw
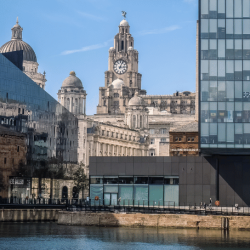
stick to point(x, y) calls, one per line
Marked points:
point(80, 179)
point(2, 184)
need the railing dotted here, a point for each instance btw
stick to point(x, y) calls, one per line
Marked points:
point(155, 206)
point(125, 205)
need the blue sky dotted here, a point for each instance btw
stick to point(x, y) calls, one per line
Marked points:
point(76, 35)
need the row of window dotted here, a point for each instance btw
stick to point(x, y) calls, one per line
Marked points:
point(225, 8)
point(179, 139)
point(117, 135)
point(162, 131)
point(225, 49)
point(222, 70)
point(152, 141)
point(224, 91)
point(168, 180)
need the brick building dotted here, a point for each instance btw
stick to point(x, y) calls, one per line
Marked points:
point(184, 140)
point(12, 153)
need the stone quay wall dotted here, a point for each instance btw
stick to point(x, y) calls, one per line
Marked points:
point(21, 215)
point(154, 220)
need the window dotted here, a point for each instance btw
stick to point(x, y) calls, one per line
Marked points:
point(107, 133)
point(116, 103)
point(130, 82)
point(192, 139)
point(163, 139)
point(116, 135)
point(121, 136)
point(17, 148)
point(122, 45)
point(152, 141)
point(102, 132)
point(5, 160)
point(171, 180)
point(176, 139)
point(188, 138)
point(116, 95)
point(152, 131)
point(112, 134)
point(179, 138)
point(163, 131)
point(134, 121)
point(130, 137)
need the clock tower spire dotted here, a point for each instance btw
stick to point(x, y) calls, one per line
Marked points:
point(122, 68)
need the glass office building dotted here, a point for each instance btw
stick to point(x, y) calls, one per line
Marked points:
point(224, 76)
point(51, 130)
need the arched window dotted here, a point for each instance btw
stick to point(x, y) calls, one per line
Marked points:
point(122, 45)
point(64, 193)
point(75, 193)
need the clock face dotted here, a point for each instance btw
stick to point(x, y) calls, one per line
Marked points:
point(120, 67)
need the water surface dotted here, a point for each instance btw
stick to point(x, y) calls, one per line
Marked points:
point(52, 236)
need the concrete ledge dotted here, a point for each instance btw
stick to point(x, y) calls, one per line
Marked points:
point(154, 220)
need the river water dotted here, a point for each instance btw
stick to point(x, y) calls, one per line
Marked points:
point(52, 236)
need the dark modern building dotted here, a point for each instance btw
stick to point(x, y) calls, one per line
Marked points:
point(224, 79)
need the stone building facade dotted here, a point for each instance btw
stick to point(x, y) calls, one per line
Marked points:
point(184, 141)
point(178, 103)
point(13, 152)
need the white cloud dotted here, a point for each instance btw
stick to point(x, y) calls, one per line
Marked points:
point(160, 31)
point(86, 48)
point(90, 16)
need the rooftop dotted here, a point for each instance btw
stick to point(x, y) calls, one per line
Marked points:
point(190, 127)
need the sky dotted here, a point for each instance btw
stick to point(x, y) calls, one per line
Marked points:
point(76, 35)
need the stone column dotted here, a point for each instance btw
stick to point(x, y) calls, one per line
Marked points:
point(85, 105)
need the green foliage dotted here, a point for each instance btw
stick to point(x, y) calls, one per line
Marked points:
point(2, 184)
point(80, 179)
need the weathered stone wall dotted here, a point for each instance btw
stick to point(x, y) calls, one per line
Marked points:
point(152, 220)
point(14, 215)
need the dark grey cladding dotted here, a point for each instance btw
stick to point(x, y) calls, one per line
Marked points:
point(198, 179)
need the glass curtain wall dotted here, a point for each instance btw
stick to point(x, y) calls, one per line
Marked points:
point(52, 131)
point(134, 190)
point(224, 56)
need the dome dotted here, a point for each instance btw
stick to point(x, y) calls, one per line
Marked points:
point(136, 101)
point(15, 45)
point(111, 48)
point(72, 81)
point(124, 23)
point(117, 84)
point(130, 48)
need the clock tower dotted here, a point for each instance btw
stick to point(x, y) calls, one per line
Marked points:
point(122, 79)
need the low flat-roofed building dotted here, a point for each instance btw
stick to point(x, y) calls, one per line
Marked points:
point(184, 141)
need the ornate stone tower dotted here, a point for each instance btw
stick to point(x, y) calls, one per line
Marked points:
point(122, 79)
point(30, 65)
point(72, 95)
point(136, 115)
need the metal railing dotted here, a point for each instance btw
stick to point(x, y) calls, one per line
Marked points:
point(125, 205)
